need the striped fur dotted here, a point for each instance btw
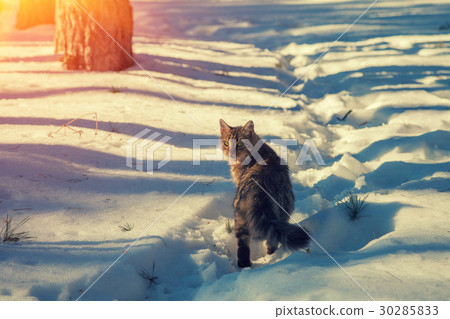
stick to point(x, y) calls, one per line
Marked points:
point(257, 215)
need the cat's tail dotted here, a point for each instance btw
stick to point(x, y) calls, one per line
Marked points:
point(289, 235)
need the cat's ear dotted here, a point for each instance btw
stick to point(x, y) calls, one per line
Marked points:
point(224, 127)
point(249, 127)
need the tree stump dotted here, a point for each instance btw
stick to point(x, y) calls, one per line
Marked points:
point(86, 46)
point(35, 12)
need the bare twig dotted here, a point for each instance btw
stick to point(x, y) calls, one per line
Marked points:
point(126, 227)
point(228, 226)
point(67, 125)
point(9, 232)
point(354, 205)
point(345, 116)
point(150, 277)
point(209, 183)
point(393, 276)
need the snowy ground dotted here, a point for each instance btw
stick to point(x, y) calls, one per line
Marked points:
point(231, 60)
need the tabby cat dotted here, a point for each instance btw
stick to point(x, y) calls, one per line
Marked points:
point(256, 214)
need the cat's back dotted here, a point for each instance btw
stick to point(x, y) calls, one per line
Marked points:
point(272, 171)
point(268, 183)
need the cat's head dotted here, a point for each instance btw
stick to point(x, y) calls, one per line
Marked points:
point(231, 139)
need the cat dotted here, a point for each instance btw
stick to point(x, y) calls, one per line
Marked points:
point(256, 214)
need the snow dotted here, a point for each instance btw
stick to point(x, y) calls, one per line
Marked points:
point(231, 60)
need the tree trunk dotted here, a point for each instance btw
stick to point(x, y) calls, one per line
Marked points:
point(86, 46)
point(35, 12)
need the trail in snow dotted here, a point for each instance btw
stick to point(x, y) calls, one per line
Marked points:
point(232, 60)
